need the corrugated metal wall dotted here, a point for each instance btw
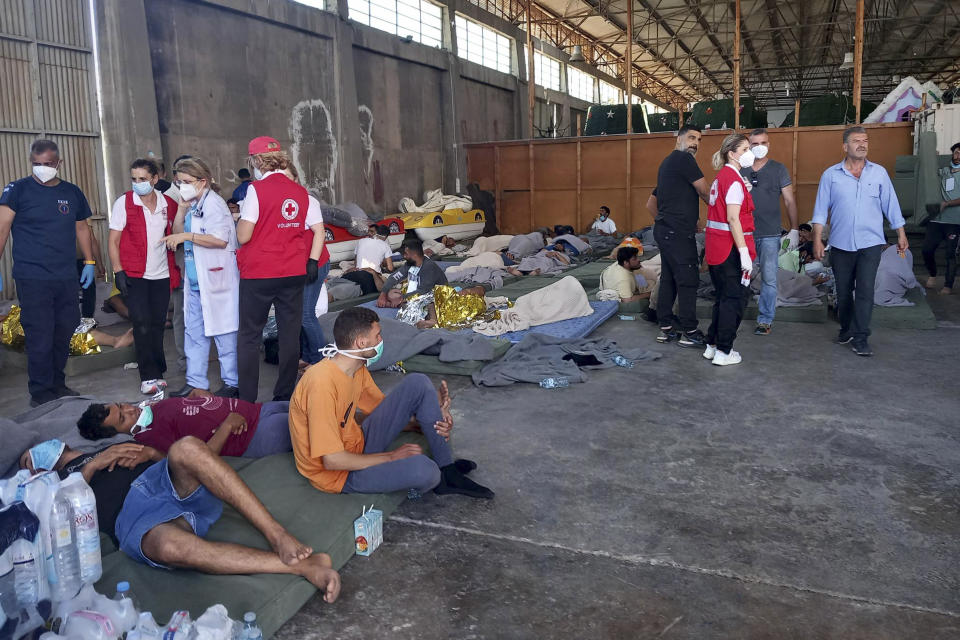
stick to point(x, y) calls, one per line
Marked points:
point(47, 89)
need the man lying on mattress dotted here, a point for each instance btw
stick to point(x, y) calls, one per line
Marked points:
point(546, 261)
point(342, 425)
point(420, 272)
point(158, 509)
point(230, 427)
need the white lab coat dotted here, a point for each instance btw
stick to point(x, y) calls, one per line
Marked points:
point(217, 272)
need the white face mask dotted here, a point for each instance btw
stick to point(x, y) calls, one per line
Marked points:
point(746, 160)
point(188, 191)
point(44, 173)
point(331, 350)
point(760, 151)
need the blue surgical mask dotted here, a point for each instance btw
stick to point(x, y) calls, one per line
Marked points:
point(142, 188)
point(143, 422)
point(45, 455)
point(331, 350)
point(954, 165)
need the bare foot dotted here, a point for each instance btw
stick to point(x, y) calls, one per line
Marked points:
point(290, 550)
point(125, 340)
point(514, 271)
point(946, 291)
point(318, 571)
point(931, 283)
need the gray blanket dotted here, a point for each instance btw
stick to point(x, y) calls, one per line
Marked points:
point(574, 241)
point(540, 356)
point(525, 245)
point(481, 275)
point(795, 289)
point(401, 341)
point(56, 419)
point(894, 278)
point(602, 245)
point(547, 265)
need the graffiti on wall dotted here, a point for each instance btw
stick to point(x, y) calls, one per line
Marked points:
point(314, 147)
point(371, 167)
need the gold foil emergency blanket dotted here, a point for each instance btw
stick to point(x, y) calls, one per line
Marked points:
point(456, 310)
point(11, 334)
point(11, 331)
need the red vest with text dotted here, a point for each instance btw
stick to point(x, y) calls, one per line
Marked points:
point(308, 243)
point(719, 239)
point(133, 240)
point(276, 248)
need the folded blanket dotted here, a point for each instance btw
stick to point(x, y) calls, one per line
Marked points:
point(561, 300)
point(491, 243)
point(540, 356)
point(795, 289)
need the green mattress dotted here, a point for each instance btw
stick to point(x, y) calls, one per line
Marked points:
point(919, 316)
point(431, 364)
point(324, 521)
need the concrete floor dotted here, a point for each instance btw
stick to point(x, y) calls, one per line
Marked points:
point(806, 493)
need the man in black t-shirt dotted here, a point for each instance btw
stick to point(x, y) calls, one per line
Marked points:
point(676, 211)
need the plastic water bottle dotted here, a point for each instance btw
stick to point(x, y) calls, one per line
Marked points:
point(620, 361)
point(8, 590)
point(62, 610)
point(626, 317)
point(65, 576)
point(251, 630)
point(414, 494)
point(89, 625)
point(122, 609)
point(555, 383)
point(87, 529)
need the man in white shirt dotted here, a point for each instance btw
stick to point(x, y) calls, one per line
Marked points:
point(374, 254)
point(603, 224)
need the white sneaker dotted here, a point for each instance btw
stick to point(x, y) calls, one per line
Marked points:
point(722, 359)
point(710, 351)
point(86, 324)
point(149, 387)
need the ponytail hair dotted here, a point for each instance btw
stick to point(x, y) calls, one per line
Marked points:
point(730, 143)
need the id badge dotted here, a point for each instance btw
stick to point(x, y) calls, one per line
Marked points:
point(949, 184)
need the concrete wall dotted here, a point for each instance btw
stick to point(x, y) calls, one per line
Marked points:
point(368, 117)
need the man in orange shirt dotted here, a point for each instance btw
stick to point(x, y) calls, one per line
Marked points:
point(337, 395)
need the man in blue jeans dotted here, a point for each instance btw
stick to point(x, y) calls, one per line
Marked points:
point(769, 181)
point(48, 219)
point(338, 395)
point(858, 195)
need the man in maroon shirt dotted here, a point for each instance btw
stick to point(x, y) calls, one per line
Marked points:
point(229, 426)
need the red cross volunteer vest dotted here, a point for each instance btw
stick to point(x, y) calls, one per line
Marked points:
point(133, 240)
point(719, 240)
point(276, 249)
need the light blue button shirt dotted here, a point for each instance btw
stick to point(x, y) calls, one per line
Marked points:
point(857, 207)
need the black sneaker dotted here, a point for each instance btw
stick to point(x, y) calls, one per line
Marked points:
point(650, 315)
point(182, 392)
point(668, 335)
point(453, 481)
point(227, 391)
point(861, 348)
point(65, 391)
point(692, 339)
point(842, 339)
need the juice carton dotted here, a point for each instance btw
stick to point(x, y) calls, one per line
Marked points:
point(368, 531)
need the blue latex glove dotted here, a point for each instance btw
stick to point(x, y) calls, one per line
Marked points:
point(86, 276)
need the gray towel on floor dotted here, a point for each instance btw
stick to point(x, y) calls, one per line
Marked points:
point(540, 356)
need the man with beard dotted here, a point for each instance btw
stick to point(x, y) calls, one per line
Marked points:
point(676, 213)
point(420, 272)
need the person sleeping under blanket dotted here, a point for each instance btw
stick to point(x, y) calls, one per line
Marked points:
point(543, 263)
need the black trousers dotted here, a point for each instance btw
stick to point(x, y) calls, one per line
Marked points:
point(679, 278)
point(855, 271)
point(732, 298)
point(48, 314)
point(88, 296)
point(147, 301)
point(256, 296)
point(362, 278)
point(937, 233)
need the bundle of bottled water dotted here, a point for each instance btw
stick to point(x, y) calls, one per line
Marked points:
point(50, 559)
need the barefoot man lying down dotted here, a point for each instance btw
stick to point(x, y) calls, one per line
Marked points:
point(157, 510)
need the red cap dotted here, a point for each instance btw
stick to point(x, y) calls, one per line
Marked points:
point(263, 144)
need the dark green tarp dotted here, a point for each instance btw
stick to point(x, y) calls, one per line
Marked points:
point(831, 108)
point(719, 114)
point(611, 119)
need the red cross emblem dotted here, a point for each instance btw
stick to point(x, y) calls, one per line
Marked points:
point(289, 209)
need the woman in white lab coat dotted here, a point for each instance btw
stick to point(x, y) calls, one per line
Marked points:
point(211, 279)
